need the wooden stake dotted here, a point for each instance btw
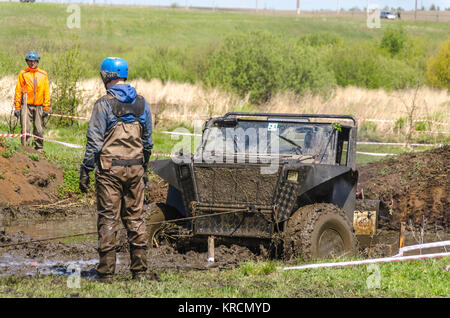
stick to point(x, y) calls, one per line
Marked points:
point(210, 249)
point(402, 234)
point(24, 118)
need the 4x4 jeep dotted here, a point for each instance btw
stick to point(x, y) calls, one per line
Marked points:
point(267, 176)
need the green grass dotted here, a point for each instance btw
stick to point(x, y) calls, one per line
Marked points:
point(139, 34)
point(425, 278)
point(362, 159)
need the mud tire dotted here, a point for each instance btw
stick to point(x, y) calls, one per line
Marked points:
point(158, 233)
point(311, 227)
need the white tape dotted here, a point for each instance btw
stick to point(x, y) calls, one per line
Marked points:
point(375, 154)
point(370, 261)
point(396, 144)
point(68, 116)
point(421, 246)
point(180, 133)
point(58, 142)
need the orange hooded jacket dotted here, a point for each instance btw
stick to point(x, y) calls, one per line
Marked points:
point(34, 82)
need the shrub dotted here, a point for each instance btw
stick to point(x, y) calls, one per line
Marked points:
point(364, 65)
point(260, 64)
point(438, 67)
point(320, 39)
point(304, 70)
point(356, 64)
point(247, 64)
point(66, 96)
point(163, 63)
point(394, 40)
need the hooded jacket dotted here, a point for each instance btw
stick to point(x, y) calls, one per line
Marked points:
point(103, 119)
point(34, 82)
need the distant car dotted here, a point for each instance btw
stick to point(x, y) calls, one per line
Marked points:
point(388, 15)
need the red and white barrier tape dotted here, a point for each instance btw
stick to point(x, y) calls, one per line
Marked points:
point(46, 139)
point(377, 120)
point(68, 116)
point(180, 133)
point(162, 154)
point(370, 261)
point(396, 144)
point(396, 258)
point(12, 135)
point(415, 121)
point(431, 121)
point(431, 132)
point(361, 119)
point(421, 246)
point(375, 154)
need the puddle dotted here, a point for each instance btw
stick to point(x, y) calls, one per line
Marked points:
point(53, 228)
point(29, 267)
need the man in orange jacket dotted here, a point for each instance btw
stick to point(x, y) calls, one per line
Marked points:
point(34, 82)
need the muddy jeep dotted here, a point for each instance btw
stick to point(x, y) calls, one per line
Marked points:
point(289, 178)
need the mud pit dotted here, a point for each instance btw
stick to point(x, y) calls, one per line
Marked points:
point(411, 187)
point(56, 258)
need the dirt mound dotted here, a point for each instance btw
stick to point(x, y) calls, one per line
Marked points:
point(412, 187)
point(27, 178)
point(157, 189)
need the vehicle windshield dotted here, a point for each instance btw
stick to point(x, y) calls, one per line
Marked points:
point(303, 140)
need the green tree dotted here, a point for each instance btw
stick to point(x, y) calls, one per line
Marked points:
point(67, 73)
point(438, 67)
point(394, 40)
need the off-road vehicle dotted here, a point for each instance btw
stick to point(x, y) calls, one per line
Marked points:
point(269, 176)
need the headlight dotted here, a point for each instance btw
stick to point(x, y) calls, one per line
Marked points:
point(292, 175)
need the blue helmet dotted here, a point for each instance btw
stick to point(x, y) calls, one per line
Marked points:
point(113, 68)
point(32, 56)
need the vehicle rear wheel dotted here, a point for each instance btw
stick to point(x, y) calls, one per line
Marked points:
point(160, 233)
point(319, 231)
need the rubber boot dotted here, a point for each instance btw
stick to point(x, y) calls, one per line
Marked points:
point(107, 263)
point(138, 256)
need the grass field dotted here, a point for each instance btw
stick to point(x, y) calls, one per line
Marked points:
point(419, 279)
point(135, 33)
point(168, 51)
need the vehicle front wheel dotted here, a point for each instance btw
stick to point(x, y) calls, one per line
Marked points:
point(319, 231)
point(158, 231)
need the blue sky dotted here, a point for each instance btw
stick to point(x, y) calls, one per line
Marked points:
point(280, 4)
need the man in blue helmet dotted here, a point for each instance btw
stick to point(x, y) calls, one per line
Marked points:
point(119, 143)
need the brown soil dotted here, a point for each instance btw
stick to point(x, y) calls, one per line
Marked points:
point(412, 187)
point(157, 189)
point(25, 181)
point(46, 256)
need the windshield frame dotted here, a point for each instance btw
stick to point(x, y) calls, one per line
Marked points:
point(328, 143)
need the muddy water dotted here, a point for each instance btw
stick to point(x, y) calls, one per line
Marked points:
point(60, 257)
point(49, 257)
point(54, 228)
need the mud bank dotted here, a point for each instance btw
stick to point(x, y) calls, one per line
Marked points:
point(412, 187)
point(27, 178)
